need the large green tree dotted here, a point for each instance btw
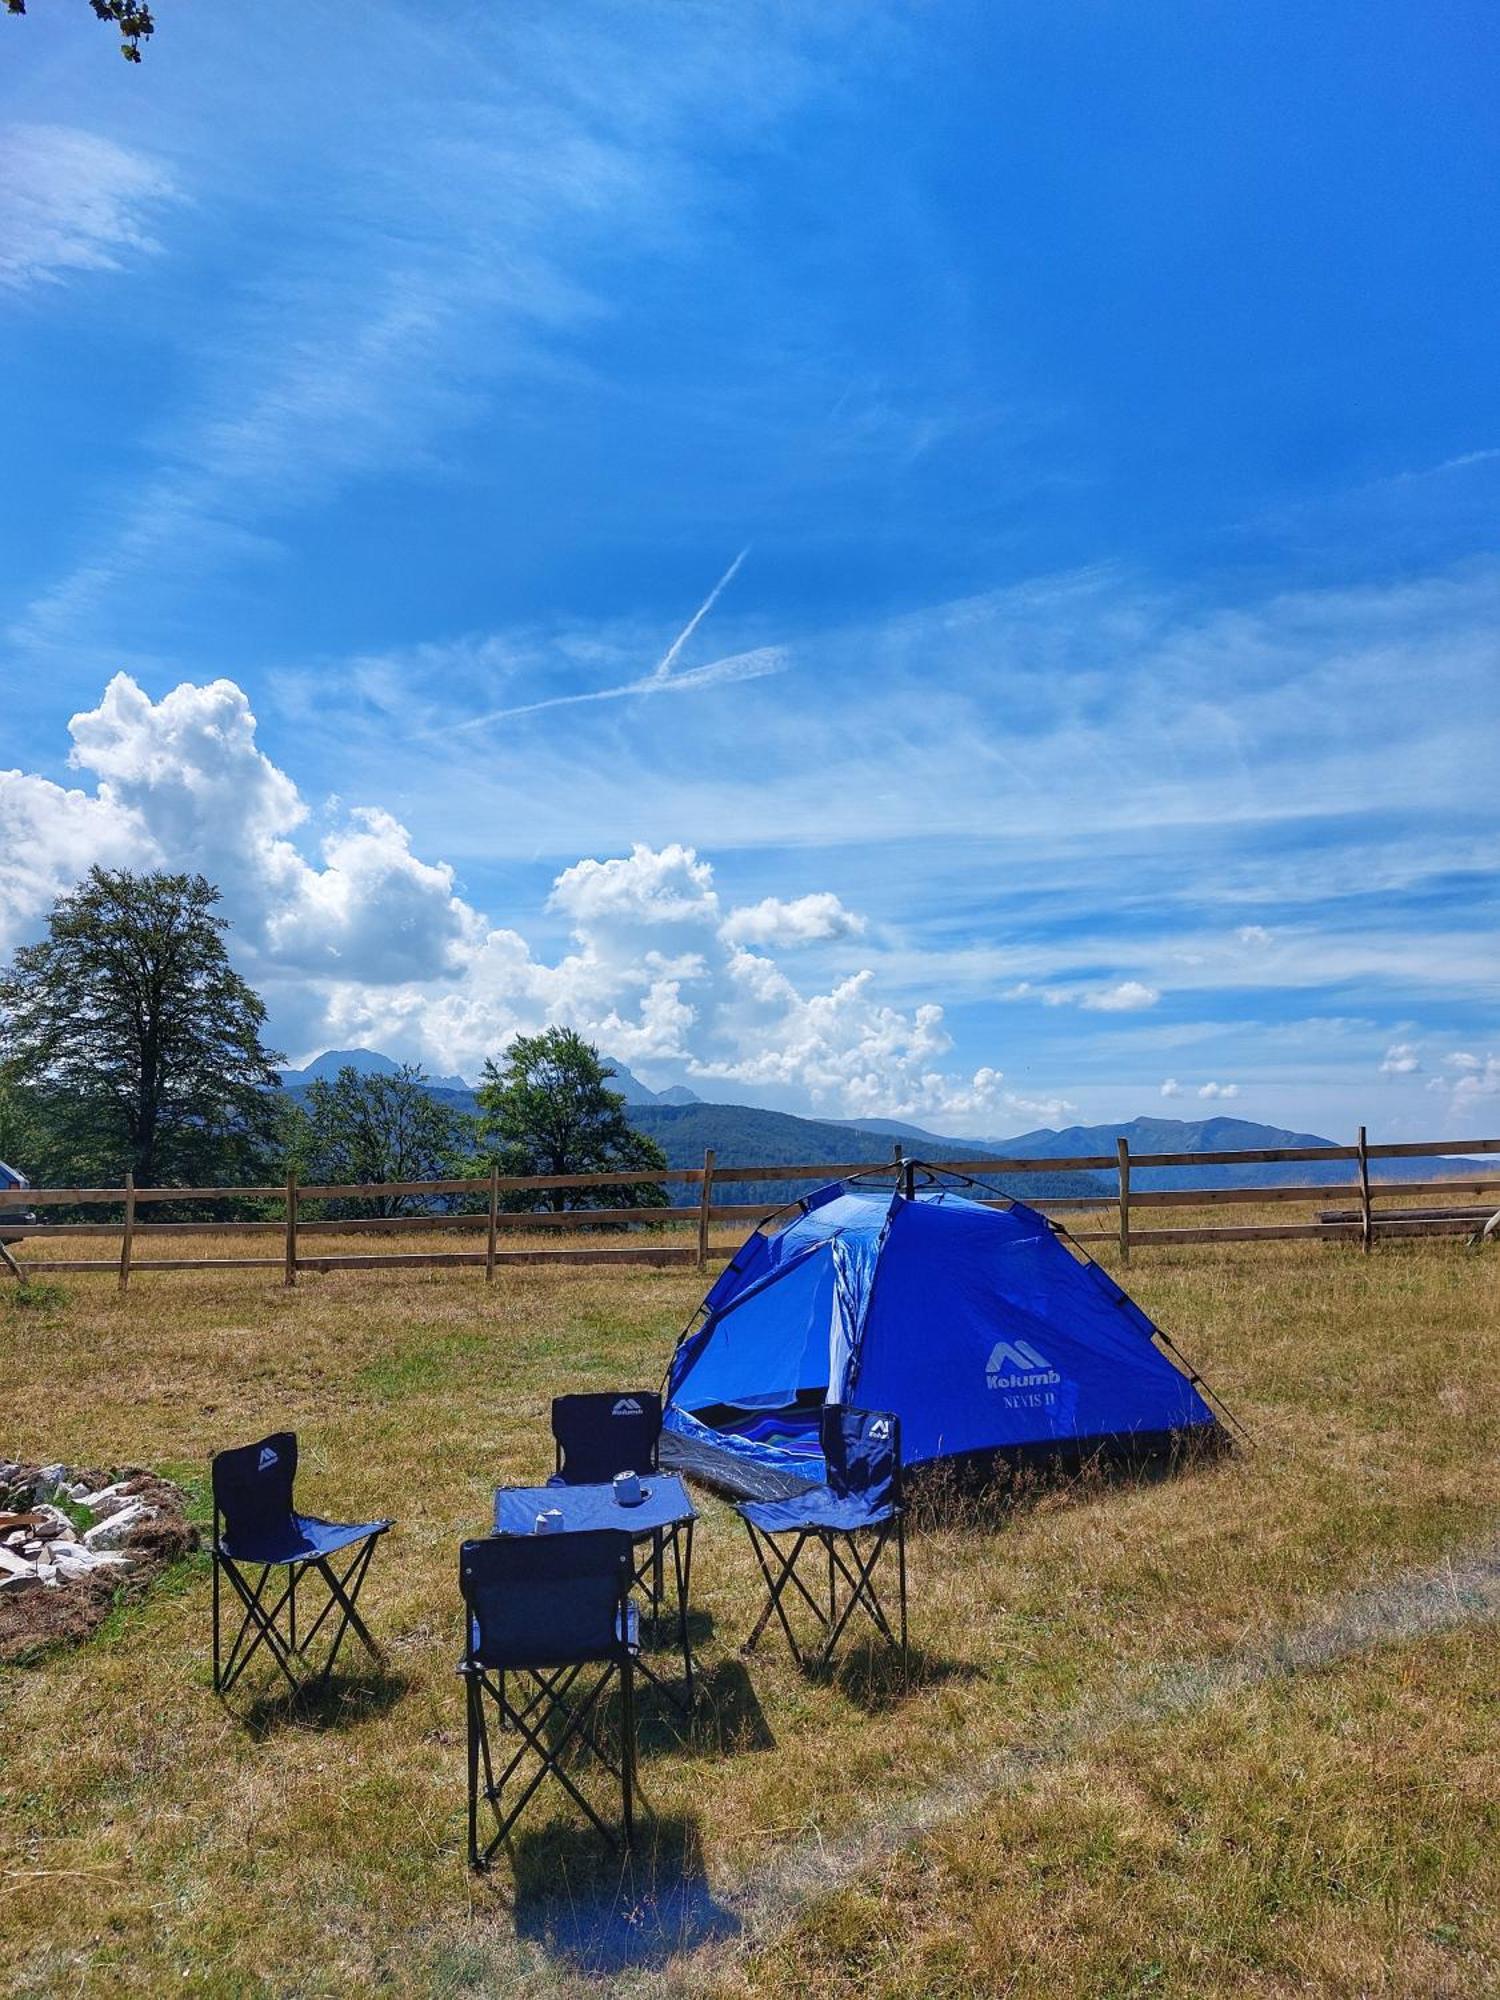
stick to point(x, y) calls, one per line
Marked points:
point(135, 1041)
point(379, 1129)
point(548, 1109)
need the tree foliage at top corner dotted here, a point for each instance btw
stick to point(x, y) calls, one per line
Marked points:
point(133, 21)
point(547, 1109)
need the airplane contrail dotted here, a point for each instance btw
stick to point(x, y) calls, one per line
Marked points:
point(665, 664)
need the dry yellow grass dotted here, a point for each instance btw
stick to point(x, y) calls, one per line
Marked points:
point(1101, 1781)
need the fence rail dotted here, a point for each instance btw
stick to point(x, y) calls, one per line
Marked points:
point(1364, 1221)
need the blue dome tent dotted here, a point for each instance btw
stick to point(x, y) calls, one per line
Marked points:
point(984, 1327)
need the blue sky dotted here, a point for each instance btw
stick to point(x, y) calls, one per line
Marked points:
point(1078, 428)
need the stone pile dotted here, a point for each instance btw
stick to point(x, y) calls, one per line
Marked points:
point(69, 1538)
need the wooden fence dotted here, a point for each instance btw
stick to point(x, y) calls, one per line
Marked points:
point(1462, 1210)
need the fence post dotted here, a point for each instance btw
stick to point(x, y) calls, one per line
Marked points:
point(489, 1247)
point(705, 1204)
point(127, 1235)
point(1122, 1154)
point(290, 1275)
point(1366, 1220)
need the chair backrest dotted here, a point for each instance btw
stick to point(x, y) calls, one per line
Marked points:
point(862, 1450)
point(253, 1488)
point(545, 1600)
point(599, 1435)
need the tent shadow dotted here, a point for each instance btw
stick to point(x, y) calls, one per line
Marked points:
point(872, 1675)
point(341, 1702)
point(605, 1912)
point(988, 1491)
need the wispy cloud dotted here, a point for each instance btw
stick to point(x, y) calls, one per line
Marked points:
point(72, 202)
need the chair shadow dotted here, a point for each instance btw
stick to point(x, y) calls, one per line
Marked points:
point(872, 1676)
point(725, 1720)
point(340, 1702)
point(660, 1635)
point(604, 1912)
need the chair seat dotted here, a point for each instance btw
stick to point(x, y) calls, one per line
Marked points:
point(818, 1507)
point(304, 1539)
point(631, 1638)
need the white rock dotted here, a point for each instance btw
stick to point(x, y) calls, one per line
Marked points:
point(33, 1548)
point(73, 1560)
point(113, 1529)
point(12, 1564)
point(108, 1500)
point(15, 1538)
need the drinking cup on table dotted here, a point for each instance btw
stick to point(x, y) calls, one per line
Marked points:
point(549, 1521)
point(628, 1489)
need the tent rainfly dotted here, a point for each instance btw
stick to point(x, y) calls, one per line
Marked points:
point(986, 1329)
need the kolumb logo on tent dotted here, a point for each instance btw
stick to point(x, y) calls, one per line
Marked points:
point(881, 1428)
point(626, 1407)
point(266, 1460)
point(1022, 1374)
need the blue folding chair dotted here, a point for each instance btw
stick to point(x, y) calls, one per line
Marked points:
point(601, 1432)
point(862, 1451)
point(542, 1609)
point(257, 1527)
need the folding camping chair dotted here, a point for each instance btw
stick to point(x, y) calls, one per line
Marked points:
point(256, 1527)
point(600, 1433)
point(862, 1451)
point(542, 1609)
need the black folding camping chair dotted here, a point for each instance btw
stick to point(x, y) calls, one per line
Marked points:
point(541, 1611)
point(256, 1528)
point(601, 1432)
point(862, 1497)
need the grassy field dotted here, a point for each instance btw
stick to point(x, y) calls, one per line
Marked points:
point(1232, 1732)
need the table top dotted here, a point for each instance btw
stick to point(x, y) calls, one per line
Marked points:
point(667, 1503)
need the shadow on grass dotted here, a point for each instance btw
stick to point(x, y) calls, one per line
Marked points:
point(604, 1912)
point(726, 1718)
point(872, 1676)
point(660, 1635)
point(987, 1491)
point(340, 1702)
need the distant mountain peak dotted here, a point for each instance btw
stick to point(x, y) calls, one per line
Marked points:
point(365, 1062)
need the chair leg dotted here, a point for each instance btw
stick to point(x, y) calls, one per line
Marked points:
point(218, 1674)
point(901, 1563)
point(627, 1748)
point(261, 1622)
point(475, 1724)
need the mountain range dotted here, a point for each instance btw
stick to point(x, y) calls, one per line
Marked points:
point(370, 1062)
point(740, 1135)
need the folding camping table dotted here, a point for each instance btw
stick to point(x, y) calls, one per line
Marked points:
point(666, 1509)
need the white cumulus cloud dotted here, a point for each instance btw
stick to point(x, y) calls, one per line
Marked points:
point(353, 937)
point(813, 919)
point(1211, 1090)
point(1127, 998)
point(1400, 1059)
